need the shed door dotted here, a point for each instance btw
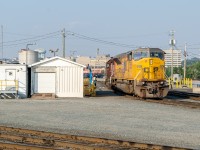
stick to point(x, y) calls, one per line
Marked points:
point(44, 83)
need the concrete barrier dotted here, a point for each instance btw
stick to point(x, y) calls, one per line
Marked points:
point(196, 90)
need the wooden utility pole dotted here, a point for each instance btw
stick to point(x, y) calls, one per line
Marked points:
point(185, 55)
point(2, 41)
point(63, 42)
point(172, 43)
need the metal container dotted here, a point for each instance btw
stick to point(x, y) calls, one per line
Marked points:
point(28, 57)
point(41, 53)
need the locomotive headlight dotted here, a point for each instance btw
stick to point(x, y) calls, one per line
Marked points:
point(161, 82)
point(155, 69)
point(143, 83)
point(146, 69)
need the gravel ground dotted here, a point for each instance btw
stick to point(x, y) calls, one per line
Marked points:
point(115, 117)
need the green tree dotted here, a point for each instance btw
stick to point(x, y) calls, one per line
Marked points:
point(176, 70)
point(168, 71)
point(193, 71)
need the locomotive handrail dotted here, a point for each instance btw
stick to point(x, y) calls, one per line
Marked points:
point(137, 74)
point(165, 74)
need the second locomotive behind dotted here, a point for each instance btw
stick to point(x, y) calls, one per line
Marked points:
point(140, 72)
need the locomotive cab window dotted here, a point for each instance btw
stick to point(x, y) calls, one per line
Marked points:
point(157, 54)
point(140, 54)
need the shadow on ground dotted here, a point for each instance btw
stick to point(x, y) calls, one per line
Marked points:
point(105, 93)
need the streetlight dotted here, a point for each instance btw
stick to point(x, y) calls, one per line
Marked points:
point(28, 45)
point(27, 50)
point(54, 51)
point(72, 55)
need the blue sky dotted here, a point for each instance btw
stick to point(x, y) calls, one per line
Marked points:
point(131, 22)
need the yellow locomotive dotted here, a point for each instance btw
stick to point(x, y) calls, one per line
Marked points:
point(140, 72)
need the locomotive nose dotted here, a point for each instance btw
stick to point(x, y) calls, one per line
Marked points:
point(150, 72)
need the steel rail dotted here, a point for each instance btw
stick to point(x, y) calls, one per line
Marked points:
point(167, 100)
point(193, 96)
point(19, 146)
point(43, 141)
point(57, 140)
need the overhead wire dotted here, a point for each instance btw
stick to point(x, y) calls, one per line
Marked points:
point(194, 44)
point(49, 35)
point(136, 36)
point(56, 33)
point(18, 34)
point(99, 40)
point(195, 48)
point(31, 39)
point(193, 53)
point(35, 37)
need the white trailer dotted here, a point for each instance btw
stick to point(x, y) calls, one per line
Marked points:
point(13, 81)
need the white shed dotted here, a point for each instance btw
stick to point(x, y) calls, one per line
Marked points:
point(13, 77)
point(58, 76)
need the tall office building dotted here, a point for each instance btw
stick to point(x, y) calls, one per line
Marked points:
point(176, 58)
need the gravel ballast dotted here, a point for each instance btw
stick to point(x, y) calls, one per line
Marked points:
point(114, 117)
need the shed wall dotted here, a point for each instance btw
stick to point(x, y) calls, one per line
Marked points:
point(69, 81)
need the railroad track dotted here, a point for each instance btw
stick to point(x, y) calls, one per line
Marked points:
point(24, 139)
point(179, 98)
point(171, 99)
point(193, 96)
point(176, 98)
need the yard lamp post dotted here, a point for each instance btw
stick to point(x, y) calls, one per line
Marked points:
point(54, 51)
point(28, 49)
point(28, 45)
